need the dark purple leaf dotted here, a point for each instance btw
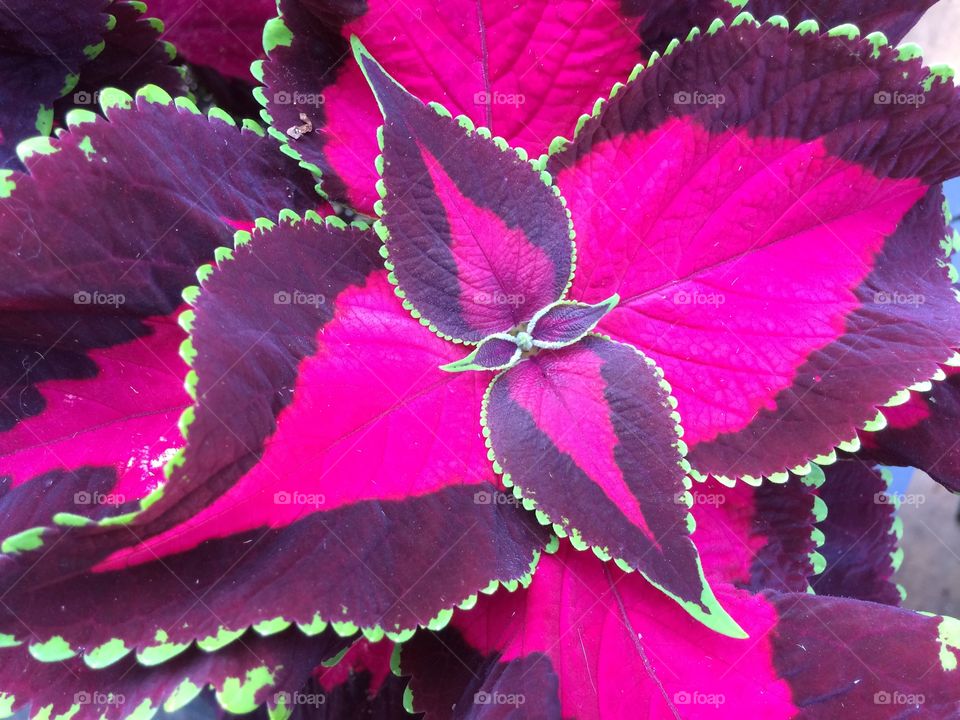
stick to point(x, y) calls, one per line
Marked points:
point(42, 46)
point(892, 17)
point(252, 671)
point(133, 56)
point(923, 432)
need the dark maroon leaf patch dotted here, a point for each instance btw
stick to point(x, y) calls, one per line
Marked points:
point(861, 535)
point(892, 17)
point(44, 45)
point(133, 56)
point(848, 656)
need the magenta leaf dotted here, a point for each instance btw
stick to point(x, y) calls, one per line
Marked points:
point(254, 671)
point(221, 34)
point(565, 322)
point(477, 240)
point(923, 432)
point(44, 46)
point(91, 383)
point(620, 487)
point(861, 534)
point(332, 472)
point(751, 189)
point(524, 71)
point(615, 648)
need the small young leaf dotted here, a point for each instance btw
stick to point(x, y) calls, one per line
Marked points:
point(567, 321)
point(496, 352)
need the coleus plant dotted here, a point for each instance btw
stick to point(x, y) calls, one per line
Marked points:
point(386, 420)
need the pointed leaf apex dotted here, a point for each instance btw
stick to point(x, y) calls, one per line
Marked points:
point(716, 618)
point(380, 81)
point(462, 365)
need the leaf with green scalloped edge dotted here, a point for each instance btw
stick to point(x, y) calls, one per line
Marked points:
point(891, 17)
point(616, 647)
point(244, 676)
point(305, 368)
point(923, 431)
point(526, 70)
point(588, 437)
point(91, 377)
point(476, 239)
point(781, 259)
point(861, 533)
point(44, 46)
point(133, 56)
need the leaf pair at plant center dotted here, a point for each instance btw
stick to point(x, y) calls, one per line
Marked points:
point(556, 326)
point(480, 246)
